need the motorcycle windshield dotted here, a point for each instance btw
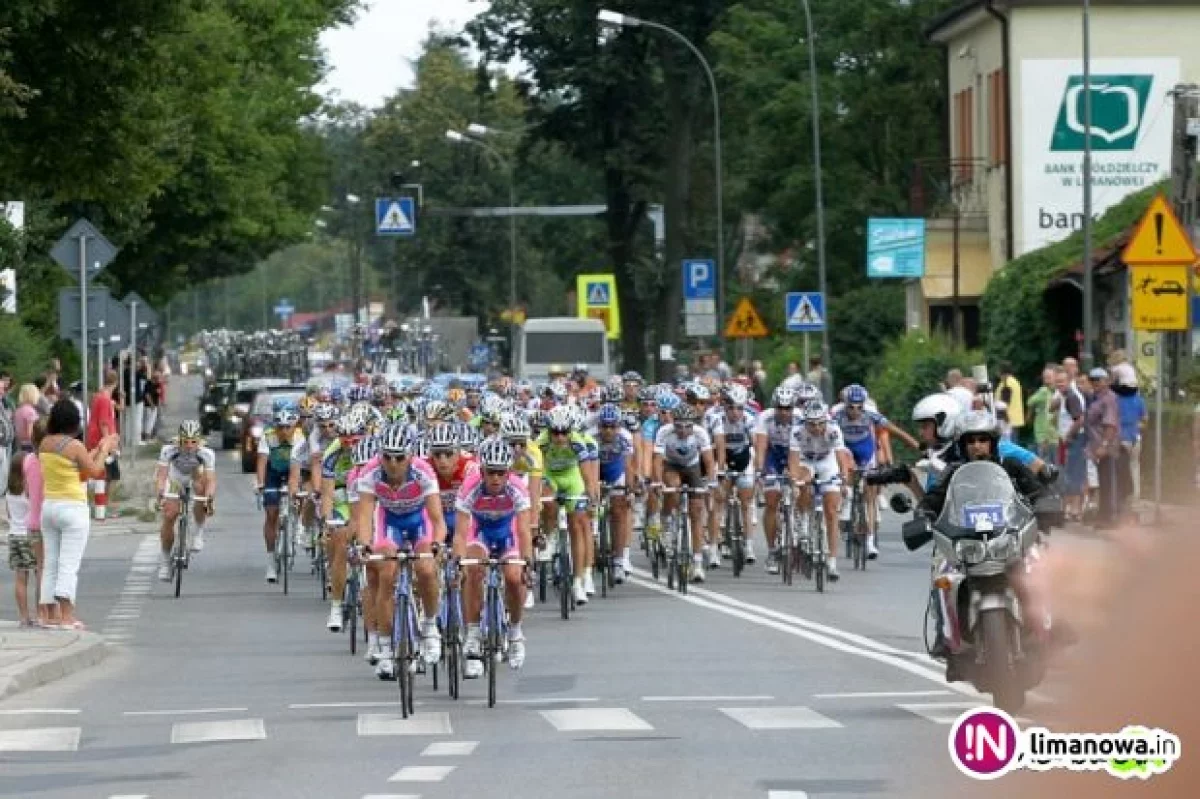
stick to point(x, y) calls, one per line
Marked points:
point(981, 498)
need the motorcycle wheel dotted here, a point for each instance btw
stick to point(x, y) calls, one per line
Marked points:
point(999, 672)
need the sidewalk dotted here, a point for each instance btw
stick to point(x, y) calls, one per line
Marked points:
point(33, 657)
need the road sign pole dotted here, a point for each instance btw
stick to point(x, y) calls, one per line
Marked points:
point(1158, 427)
point(100, 359)
point(83, 323)
point(133, 423)
point(804, 366)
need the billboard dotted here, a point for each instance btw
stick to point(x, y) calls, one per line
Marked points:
point(1130, 133)
point(895, 247)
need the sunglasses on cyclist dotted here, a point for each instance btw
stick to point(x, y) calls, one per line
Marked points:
point(496, 472)
point(442, 453)
point(395, 457)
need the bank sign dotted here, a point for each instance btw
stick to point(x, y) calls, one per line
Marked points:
point(1131, 138)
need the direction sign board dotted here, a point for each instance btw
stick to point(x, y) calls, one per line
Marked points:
point(699, 297)
point(804, 311)
point(98, 251)
point(102, 307)
point(1160, 297)
point(395, 216)
point(745, 322)
point(1159, 239)
point(895, 247)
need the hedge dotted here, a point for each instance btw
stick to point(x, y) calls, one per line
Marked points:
point(1017, 323)
point(913, 366)
point(21, 352)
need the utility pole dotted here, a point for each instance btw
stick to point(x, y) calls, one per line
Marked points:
point(1185, 198)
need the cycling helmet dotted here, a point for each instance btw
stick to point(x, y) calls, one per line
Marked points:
point(495, 454)
point(686, 414)
point(784, 397)
point(941, 409)
point(444, 436)
point(609, 415)
point(190, 428)
point(286, 417)
point(698, 392)
point(366, 449)
point(647, 394)
point(807, 392)
point(307, 405)
point(561, 420)
point(325, 412)
point(667, 401)
point(814, 411)
point(612, 393)
point(468, 437)
point(398, 439)
point(735, 395)
point(976, 422)
point(856, 395)
point(631, 421)
point(351, 424)
point(438, 411)
point(514, 427)
point(632, 377)
point(793, 382)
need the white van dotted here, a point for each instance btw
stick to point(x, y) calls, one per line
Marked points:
point(562, 342)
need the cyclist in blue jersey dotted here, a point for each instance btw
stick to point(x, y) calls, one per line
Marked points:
point(615, 453)
point(773, 434)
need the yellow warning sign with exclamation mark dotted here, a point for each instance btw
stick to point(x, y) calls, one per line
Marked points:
point(1159, 239)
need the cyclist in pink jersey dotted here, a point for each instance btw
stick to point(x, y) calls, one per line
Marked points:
point(493, 519)
point(399, 495)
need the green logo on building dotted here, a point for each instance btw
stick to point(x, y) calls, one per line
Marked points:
point(1118, 108)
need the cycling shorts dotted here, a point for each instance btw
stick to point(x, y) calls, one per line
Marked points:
point(826, 475)
point(776, 461)
point(501, 539)
point(276, 480)
point(864, 453)
point(741, 462)
point(175, 486)
point(569, 487)
point(689, 476)
point(400, 529)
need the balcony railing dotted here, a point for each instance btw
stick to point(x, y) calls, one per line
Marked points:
point(941, 185)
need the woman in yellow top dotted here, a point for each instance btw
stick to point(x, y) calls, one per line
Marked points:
point(66, 464)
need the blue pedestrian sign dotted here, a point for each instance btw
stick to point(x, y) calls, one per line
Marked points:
point(804, 311)
point(284, 309)
point(597, 294)
point(395, 216)
point(699, 279)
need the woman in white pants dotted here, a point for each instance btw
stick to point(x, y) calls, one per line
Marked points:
point(66, 464)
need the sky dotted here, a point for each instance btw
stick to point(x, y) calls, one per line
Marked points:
point(370, 59)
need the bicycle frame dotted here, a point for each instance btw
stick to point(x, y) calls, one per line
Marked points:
point(493, 620)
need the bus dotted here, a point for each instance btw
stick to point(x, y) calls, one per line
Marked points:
point(562, 342)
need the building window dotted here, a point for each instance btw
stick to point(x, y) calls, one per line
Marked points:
point(941, 320)
point(998, 117)
point(964, 131)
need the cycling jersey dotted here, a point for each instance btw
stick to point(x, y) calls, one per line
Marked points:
point(859, 434)
point(183, 466)
point(739, 435)
point(680, 451)
point(779, 440)
point(449, 486)
point(562, 462)
point(493, 516)
point(529, 464)
point(712, 419)
point(399, 510)
point(650, 426)
point(336, 465)
point(612, 454)
point(818, 453)
point(279, 462)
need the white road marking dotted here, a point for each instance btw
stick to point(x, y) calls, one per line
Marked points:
point(746, 698)
point(193, 732)
point(779, 718)
point(133, 594)
point(540, 700)
point(787, 795)
point(392, 796)
point(190, 712)
point(130, 796)
point(422, 774)
point(939, 712)
point(130, 615)
point(319, 705)
point(595, 719)
point(881, 694)
point(395, 724)
point(450, 749)
point(40, 711)
point(43, 739)
point(850, 643)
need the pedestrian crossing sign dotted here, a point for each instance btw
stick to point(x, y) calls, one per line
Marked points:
point(597, 294)
point(805, 311)
point(395, 216)
point(596, 298)
point(745, 322)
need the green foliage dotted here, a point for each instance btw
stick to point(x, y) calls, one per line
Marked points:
point(913, 366)
point(1017, 321)
point(21, 352)
point(861, 324)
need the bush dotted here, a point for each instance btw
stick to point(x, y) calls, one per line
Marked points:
point(913, 366)
point(21, 352)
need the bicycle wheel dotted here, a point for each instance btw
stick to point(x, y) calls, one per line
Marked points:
point(401, 651)
point(543, 571)
point(179, 556)
point(737, 548)
point(565, 574)
point(322, 576)
point(787, 545)
point(819, 557)
point(453, 646)
point(604, 557)
point(350, 612)
point(858, 527)
point(491, 646)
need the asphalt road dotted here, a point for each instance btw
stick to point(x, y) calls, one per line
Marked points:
point(743, 688)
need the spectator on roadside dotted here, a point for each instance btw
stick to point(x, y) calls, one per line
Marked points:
point(953, 379)
point(1072, 452)
point(66, 464)
point(819, 377)
point(1132, 409)
point(102, 423)
point(1008, 391)
point(1104, 445)
point(25, 416)
point(150, 400)
point(43, 402)
point(23, 503)
point(1043, 406)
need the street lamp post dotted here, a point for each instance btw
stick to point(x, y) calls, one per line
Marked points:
point(352, 201)
point(612, 19)
point(1089, 322)
point(459, 138)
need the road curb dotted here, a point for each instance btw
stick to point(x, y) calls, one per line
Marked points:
point(88, 650)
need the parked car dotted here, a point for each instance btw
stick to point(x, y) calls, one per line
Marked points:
point(212, 405)
point(261, 409)
point(233, 416)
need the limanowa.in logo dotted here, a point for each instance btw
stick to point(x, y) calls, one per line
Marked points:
point(1118, 110)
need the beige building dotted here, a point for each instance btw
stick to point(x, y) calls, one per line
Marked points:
point(1013, 180)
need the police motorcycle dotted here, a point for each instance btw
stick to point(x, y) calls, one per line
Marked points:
point(986, 538)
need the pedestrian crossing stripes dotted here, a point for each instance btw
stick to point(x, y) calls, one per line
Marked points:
point(567, 721)
point(119, 625)
point(422, 774)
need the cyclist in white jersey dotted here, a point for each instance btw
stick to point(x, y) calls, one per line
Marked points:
point(819, 461)
point(773, 433)
point(733, 442)
point(683, 456)
point(185, 462)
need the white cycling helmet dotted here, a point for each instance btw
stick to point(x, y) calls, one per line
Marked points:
point(561, 419)
point(366, 449)
point(783, 397)
point(398, 439)
point(943, 410)
point(515, 427)
point(814, 411)
point(286, 417)
point(444, 436)
point(807, 392)
point(736, 395)
point(189, 428)
point(495, 454)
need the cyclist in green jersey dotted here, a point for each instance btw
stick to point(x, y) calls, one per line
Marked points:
point(569, 468)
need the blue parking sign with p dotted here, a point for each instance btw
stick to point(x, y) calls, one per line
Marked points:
point(699, 279)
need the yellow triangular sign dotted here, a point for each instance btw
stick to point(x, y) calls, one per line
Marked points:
point(1159, 239)
point(745, 322)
